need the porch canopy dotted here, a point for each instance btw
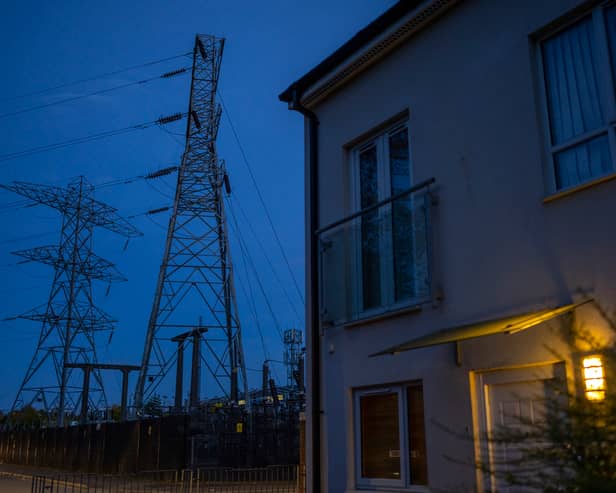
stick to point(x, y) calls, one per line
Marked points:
point(506, 325)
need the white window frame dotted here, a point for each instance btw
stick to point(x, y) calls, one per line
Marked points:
point(404, 482)
point(387, 280)
point(607, 93)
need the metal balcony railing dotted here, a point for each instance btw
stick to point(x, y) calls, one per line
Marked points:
point(377, 260)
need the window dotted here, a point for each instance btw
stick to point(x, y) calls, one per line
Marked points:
point(390, 436)
point(579, 71)
point(388, 241)
point(377, 259)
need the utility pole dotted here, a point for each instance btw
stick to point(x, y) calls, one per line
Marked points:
point(70, 320)
point(196, 276)
point(195, 372)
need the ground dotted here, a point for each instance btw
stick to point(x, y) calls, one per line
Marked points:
point(14, 485)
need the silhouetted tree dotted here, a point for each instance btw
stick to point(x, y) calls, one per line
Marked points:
point(116, 412)
point(571, 450)
point(26, 416)
point(153, 407)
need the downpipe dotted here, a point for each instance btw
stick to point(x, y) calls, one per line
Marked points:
point(315, 338)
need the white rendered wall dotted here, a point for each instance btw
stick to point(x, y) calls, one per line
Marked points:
point(468, 82)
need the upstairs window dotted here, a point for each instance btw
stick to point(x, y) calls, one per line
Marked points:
point(387, 248)
point(578, 69)
point(377, 259)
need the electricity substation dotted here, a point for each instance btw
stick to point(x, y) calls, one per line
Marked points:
point(192, 405)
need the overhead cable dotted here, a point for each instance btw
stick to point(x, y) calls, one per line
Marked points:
point(94, 93)
point(96, 77)
point(251, 263)
point(265, 209)
point(28, 237)
point(250, 296)
point(89, 138)
point(267, 258)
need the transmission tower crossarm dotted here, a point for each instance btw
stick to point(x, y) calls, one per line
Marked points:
point(107, 217)
point(93, 211)
point(43, 194)
point(93, 266)
point(95, 319)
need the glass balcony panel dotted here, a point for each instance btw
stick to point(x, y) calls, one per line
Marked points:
point(376, 262)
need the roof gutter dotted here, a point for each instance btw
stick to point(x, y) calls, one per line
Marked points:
point(295, 104)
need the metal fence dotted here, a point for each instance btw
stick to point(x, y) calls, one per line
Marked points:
point(272, 479)
point(269, 435)
point(112, 448)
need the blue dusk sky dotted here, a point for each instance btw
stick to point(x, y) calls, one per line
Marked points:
point(268, 45)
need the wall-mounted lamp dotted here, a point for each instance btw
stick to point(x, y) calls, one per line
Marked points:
point(594, 378)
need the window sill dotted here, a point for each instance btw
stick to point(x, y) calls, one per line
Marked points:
point(407, 489)
point(579, 188)
point(390, 312)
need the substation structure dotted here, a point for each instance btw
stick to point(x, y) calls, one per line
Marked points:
point(195, 308)
point(219, 422)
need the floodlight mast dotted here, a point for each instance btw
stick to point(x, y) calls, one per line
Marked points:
point(195, 280)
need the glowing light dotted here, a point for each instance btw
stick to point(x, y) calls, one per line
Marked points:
point(594, 378)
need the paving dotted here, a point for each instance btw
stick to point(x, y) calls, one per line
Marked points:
point(9, 484)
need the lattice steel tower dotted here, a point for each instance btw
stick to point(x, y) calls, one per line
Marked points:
point(70, 320)
point(195, 291)
point(292, 355)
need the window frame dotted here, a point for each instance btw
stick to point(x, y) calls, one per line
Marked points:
point(606, 78)
point(387, 277)
point(400, 389)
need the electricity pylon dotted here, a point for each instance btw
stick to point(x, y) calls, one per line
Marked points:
point(195, 284)
point(70, 320)
point(292, 355)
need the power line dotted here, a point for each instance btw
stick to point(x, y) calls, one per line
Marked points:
point(94, 93)
point(173, 136)
point(148, 176)
point(267, 214)
point(251, 263)
point(18, 204)
point(267, 258)
point(156, 189)
point(251, 303)
point(95, 77)
point(90, 138)
point(28, 237)
point(156, 223)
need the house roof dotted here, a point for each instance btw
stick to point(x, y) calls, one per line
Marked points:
point(361, 39)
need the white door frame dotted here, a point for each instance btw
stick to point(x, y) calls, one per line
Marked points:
point(479, 380)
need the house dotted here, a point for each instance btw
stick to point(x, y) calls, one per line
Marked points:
point(460, 201)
